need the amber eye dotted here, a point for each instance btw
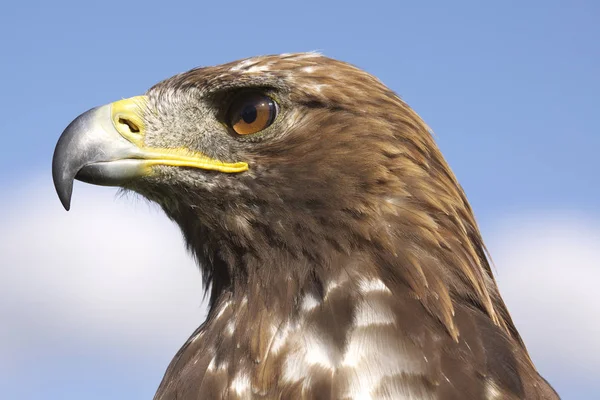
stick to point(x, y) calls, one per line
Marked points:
point(251, 113)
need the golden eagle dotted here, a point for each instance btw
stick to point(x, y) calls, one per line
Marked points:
point(341, 255)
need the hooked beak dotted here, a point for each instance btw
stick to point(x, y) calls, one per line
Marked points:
point(105, 146)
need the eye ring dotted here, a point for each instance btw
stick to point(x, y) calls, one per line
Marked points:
point(251, 113)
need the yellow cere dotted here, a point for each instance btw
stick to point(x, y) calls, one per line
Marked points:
point(127, 118)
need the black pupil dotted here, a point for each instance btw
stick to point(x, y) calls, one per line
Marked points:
point(249, 113)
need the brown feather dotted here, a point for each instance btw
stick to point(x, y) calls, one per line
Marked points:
point(346, 261)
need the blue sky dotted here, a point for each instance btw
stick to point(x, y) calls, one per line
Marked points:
point(510, 90)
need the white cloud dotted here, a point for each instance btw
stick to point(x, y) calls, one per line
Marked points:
point(548, 270)
point(111, 272)
point(114, 273)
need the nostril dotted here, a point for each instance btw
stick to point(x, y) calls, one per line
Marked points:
point(130, 124)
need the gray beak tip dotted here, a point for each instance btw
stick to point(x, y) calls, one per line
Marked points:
point(70, 155)
point(62, 184)
point(65, 199)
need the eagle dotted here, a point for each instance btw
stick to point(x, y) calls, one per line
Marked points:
point(340, 256)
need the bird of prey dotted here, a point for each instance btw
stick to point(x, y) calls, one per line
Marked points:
point(340, 254)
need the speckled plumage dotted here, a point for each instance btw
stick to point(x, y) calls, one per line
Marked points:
point(346, 263)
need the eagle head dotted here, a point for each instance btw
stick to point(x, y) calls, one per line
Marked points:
point(300, 158)
point(305, 189)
